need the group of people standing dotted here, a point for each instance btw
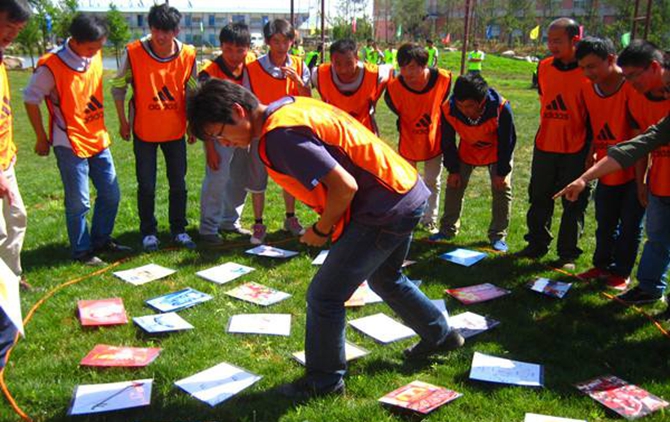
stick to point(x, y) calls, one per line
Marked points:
point(256, 119)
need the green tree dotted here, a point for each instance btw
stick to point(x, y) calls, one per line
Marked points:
point(64, 14)
point(45, 10)
point(29, 39)
point(410, 14)
point(119, 31)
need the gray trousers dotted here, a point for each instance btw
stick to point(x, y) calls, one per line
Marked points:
point(501, 205)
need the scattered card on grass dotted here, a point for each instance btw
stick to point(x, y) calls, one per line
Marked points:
point(102, 312)
point(97, 398)
point(224, 273)
point(144, 274)
point(477, 293)
point(320, 258)
point(469, 324)
point(420, 397)
point(534, 417)
point(628, 400)
point(406, 263)
point(506, 371)
point(463, 257)
point(258, 294)
point(104, 355)
point(382, 328)
point(218, 383)
point(548, 287)
point(162, 323)
point(271, 252)
point(270, 324)
point(363, 295)
point(177, 301)
point(10, 300)
point(351, 352)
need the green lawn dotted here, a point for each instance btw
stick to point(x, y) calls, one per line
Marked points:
point(583, 336)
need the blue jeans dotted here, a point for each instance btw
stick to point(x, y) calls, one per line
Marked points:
point(224, 191)
point(375, 253)
point(75, 172)
point(7, 335)
point(655, 260)
point(174, 153)
point(619, 216)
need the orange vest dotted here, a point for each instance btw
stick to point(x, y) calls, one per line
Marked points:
point(478, 144)
point(80, 96)
point(268, 88)
point(562, 112)
point(646, 113)
point(339, 129)
point(419, 117)
point(159, 93)
point(7, 146)
point(359, 103)
point(213, 69)
point(611, 125)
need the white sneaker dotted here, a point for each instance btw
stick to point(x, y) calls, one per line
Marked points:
point(183, 239)
point(150, 243)
point(259, 234)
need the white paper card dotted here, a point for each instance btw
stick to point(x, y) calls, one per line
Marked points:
point(10, 302)
point(469, 324)
point(218, 383)
point(506, 371)
point(144, 274)
point(224, 273)
point(162, 323)
point(351, 352)
point(270, 324)
point(534, 417)
point(97, 398)
point(382, 328)
point(320, 258)
point(271, 252)
point(463, 257)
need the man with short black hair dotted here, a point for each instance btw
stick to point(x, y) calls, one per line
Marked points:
point(433, 53)
point(70, 79)
point(483, 120)
point(160, 69)
point(416, 97)
point(562, 143)
point(619, 213)
point(368, 199)
point(350, 84)
point(272, 77)
point(14, 14)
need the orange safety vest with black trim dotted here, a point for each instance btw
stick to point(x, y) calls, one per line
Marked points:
point(563, 116)
point(213, 69)
point(159, 93)
point(359, 103)
point(610, 124)
point(80, 96)
point(419, 117)
point(647, 112)
point(7, 146)
point(268, 88)
point(338, 129)
point(478, 144)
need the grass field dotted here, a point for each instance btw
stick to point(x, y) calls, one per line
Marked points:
point(583, 336)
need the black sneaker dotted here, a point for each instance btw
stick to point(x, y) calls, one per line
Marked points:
point(304, 390)
point(637, 296)
point(422, 349)
point(112, 246)
point(533, 252)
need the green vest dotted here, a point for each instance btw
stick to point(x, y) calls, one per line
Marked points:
point(475, 55)
point(298, 51)
point(390, 55)
point(312, 55)
point(432, 56)
point(370, 55)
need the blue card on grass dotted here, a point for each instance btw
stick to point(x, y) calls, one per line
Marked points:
point(177, 301)
point(463, 257)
